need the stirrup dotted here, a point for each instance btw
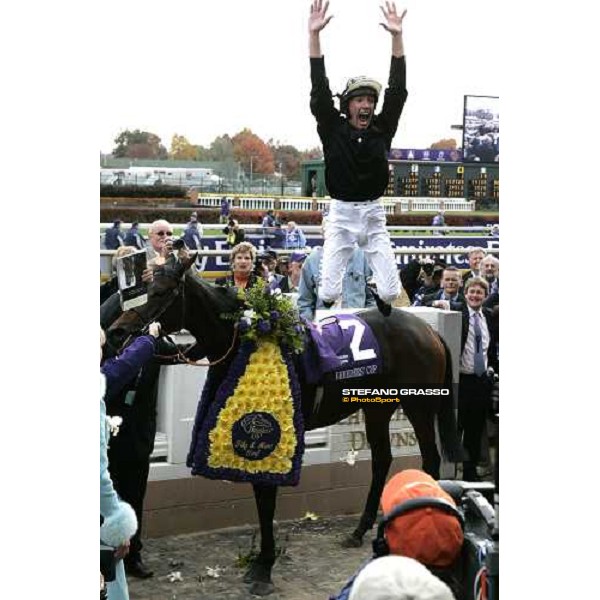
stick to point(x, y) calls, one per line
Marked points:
point(384, 308)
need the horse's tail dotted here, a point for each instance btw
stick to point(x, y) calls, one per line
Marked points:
point(452, 449)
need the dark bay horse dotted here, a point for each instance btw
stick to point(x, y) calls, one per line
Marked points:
point(412, 352)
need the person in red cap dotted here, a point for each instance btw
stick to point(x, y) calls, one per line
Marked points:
point(430, 535)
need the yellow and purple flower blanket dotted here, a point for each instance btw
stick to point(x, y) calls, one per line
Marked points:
point(253, 429)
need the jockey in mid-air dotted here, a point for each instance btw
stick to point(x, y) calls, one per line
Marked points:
point(356, 143)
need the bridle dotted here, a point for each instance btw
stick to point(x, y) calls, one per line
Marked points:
point(179, 356)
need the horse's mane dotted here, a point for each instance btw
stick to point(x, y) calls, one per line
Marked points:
point(222, 298)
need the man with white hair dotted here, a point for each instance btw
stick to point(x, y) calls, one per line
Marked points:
point(160, 235)
point(294, 237)
point(490, 271)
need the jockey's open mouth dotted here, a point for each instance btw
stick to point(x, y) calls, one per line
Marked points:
point(364, 117)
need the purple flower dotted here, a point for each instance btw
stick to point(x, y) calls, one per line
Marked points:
point(274, 315)
point(263, 326)
point(298, 328)
point(244, 325)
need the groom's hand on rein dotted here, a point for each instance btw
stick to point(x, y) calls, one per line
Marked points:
point(154, 329)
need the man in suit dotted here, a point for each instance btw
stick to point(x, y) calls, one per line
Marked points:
point(490, 271)
point(478, 353)
point(449, 297)
point(475, 256)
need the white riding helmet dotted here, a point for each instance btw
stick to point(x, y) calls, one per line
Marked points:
point(359, 86)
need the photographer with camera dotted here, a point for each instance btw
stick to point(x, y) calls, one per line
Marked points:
point(163, 244)
point(421, 277)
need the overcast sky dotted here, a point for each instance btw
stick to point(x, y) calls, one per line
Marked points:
point(202, 69)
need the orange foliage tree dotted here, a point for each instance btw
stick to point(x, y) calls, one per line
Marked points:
point(248, 149)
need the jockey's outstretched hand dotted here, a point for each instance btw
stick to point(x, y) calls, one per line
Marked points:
point(393, 22)
point(318, 16)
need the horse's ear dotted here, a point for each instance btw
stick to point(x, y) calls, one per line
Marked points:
point(188, 262)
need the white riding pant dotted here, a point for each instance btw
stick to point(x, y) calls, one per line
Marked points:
point(358, 223)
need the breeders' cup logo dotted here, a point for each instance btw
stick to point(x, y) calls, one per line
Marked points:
point(256, 425)
point(255, 435)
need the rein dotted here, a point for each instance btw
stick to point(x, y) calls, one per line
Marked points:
point(146, 326)
point(183, 359)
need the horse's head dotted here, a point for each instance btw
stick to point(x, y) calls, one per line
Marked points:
point(180, 299)
point(164, 298)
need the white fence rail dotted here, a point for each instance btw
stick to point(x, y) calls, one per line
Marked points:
point(257, 203)
point(317, 228)
point(407, 204)
point(420, 251)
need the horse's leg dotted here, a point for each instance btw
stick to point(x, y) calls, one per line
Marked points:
point(377, 425)
point(259, 573)
point(421, 412)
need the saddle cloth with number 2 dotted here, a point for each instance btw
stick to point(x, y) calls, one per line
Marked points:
point(344, 347)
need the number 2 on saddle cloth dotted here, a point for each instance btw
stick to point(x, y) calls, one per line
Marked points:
point(344, 347)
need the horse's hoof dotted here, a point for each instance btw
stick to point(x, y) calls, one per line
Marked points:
point(351, 541)
point(257, 573)
point(262, 588)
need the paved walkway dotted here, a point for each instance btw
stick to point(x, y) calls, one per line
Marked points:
point(312, 564)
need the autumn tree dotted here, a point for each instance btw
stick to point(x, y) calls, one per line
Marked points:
point(249, 149)
point(181, 149)
point(221, 149)
point(139, 144)
point(287, 159)
point(446, 144)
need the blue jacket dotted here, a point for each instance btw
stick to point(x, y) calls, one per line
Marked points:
point(122, 369)
point(295, 239)
point(355, 292)
point(277, 238)
point(135, 238)
point(191, 237)
point(113, 238)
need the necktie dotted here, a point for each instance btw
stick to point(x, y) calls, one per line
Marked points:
point(479, 362)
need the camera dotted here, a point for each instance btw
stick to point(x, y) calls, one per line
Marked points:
point(178, 243)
